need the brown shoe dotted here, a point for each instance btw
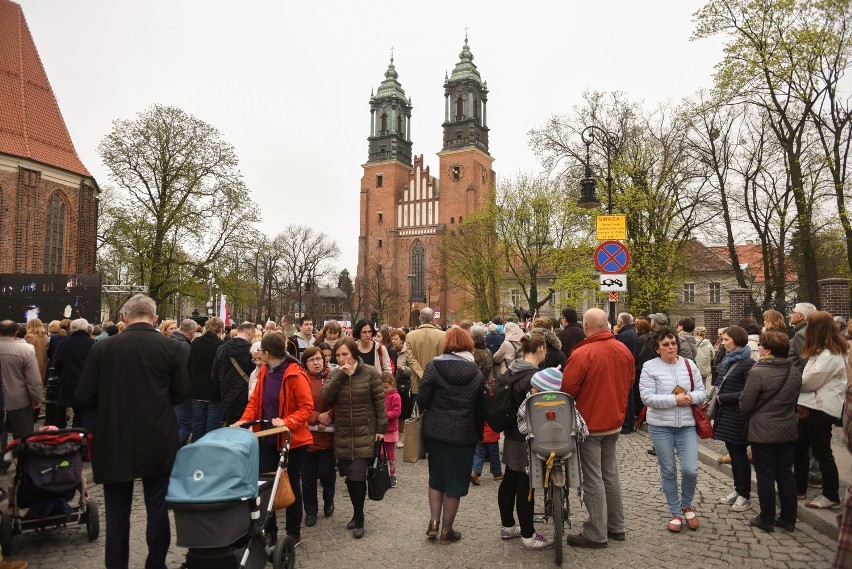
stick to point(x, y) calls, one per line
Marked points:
point(691, 519)
point(474, 477)
point(6, 564)
point(676, 524)
point(432, 530)
point(725, 459)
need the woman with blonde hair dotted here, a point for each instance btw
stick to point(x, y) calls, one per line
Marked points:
point(37, 336)
point(168, 327)
point(774, 320)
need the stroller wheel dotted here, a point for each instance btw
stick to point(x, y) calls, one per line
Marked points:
point(6, 534)
point(284, 555)
point(93, 523)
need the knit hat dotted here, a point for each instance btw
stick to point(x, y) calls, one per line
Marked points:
point(548, 379)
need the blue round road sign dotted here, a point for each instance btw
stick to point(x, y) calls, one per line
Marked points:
point(612, 258)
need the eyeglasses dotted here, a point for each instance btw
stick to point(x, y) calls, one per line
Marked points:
point(316, 359)
point(667, 344)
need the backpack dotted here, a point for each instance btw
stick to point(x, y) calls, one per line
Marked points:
point(497, 403)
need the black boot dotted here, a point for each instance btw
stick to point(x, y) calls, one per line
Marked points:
point(358, 494)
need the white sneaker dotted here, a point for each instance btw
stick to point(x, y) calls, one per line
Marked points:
point(537, 541)
point(400, 443)
point(509, 533)
point(741, 504)
point(729, 499)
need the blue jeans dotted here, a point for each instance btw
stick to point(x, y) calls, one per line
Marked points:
point(492, 452)
point(184, 417)
point(206, 416)
point(685, 440)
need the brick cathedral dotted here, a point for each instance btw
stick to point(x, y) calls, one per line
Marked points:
point(48, 199)
point(406, 211)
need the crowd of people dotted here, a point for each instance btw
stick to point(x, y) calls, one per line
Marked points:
point(774, 399)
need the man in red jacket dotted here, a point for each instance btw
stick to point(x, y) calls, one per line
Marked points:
point(598, 375)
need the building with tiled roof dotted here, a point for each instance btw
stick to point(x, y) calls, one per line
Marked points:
point(48, 199)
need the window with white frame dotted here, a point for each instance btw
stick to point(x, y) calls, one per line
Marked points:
point(516, 297)
point(688, 293)
point(715, 293)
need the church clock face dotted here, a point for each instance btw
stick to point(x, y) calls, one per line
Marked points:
point(456, 172)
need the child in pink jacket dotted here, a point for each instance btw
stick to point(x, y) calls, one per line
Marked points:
point(393, 404)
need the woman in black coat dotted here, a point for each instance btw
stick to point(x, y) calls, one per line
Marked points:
point(450, 391)
point(68, 361)
point(728, 427)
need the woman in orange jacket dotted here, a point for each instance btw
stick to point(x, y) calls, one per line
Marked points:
point(283, 395)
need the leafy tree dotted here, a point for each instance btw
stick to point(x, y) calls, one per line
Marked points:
point(774, 55)
point(539, 229)
point(473, 258)
point(180, 196)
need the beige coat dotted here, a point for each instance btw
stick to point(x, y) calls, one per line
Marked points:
point(424, 343)
point(21, 381)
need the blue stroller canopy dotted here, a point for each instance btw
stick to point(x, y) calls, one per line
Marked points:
point(221, 466)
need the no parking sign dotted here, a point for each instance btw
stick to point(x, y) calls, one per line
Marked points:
point(612, 258)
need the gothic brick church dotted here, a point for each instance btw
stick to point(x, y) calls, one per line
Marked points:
point(48, 199)
point(406, 211)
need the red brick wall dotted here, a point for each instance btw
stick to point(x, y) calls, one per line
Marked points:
point(739, 303)
point(712, 321)
point(23, 211)
point(834, 296)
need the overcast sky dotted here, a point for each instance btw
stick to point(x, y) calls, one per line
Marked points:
point(288, 83)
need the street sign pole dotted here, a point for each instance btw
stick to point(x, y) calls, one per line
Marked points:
point(612, 259)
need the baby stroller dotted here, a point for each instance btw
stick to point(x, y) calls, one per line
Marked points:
point(48, 477)
point(221, 504)
point(554, 457)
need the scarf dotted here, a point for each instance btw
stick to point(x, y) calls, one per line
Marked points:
point(733, 357)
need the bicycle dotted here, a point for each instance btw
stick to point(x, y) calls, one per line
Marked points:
point(553, 445)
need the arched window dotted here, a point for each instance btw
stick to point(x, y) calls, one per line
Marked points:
point(418, 270)
point(384, 129)
point(399, 124)
point(54, 238)
point(459, 109)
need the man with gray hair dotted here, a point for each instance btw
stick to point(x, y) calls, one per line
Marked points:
point(798, 320)
point(184, 335)
point(68, 361)
point(424, 343)
point(135, 379)
point(21, 380)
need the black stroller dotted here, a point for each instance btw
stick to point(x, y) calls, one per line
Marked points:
point(221, 504)
point(48, 477)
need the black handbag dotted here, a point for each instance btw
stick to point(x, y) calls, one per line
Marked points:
point(378, 473)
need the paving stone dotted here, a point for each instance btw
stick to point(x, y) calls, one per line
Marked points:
point(395, 531)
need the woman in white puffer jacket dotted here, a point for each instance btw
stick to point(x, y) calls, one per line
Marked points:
point(668, 392)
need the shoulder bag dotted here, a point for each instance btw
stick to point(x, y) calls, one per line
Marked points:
point(414, 448)
point(744, 432)
point(703, 426)
point(378, 473)
point(711, 406)
point(239, 369)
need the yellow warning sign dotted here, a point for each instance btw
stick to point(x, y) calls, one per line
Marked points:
point(612, 227)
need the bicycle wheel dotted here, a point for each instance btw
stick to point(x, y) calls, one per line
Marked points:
point(557, 505)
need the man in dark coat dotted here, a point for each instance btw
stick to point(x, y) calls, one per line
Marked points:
point(571, 333)
point(207, 408)
point(184, 335)
point(231, 370)
point(627, 335)
point(68, 361)
point(495, 337)
point(134, 380)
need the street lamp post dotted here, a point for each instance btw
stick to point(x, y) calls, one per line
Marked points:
point(411, 298)
point(211, 283)
point(588, 195)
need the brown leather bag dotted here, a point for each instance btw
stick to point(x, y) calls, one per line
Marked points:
point(284, 496)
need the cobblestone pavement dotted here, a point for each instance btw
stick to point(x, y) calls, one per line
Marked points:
point(395, 531)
